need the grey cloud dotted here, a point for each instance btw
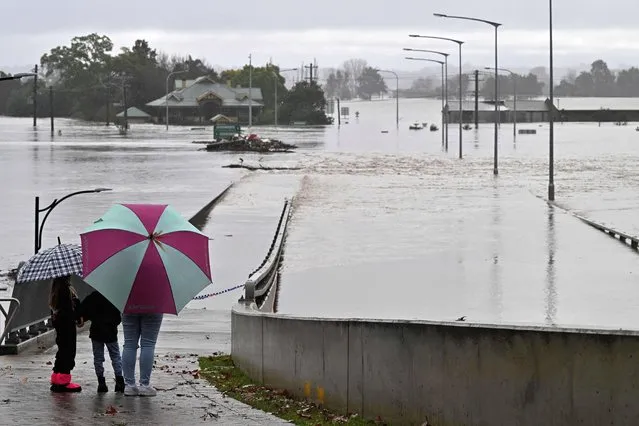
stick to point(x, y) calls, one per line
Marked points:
point(414, 15)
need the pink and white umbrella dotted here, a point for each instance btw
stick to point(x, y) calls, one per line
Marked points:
point(145, 258)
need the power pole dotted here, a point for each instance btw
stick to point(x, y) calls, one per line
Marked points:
point(35, 97)
point(51, 109)
point(476, 99)
point(311, 67)
point(126, 116)
point(108, 105)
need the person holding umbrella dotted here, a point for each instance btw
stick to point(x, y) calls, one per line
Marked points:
point(147, 260)
point(58, 264)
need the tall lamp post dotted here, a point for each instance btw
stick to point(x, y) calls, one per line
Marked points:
point(396, 95)
point(514, 76)
point(276, 74)
point(496, 26)
point(461, 108)
point(442, 64)
point(445, 55)
point(40, 226)
point(166, 99)
point(250, 95)
point(551, 119)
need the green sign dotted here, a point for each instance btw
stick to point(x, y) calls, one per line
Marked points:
point(221, 131)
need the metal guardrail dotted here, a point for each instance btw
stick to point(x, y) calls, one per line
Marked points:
point(624, 238)
point(14, 304)
point(261, 280)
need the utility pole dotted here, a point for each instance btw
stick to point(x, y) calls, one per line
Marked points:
point(476, 99)
point(339, 114)
point(311, 67)
point(108, 105)
point(51, 109)
point(35, 97)
point(250, 96)
point(126, 116)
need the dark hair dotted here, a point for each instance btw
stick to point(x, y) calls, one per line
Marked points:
point(60, 287)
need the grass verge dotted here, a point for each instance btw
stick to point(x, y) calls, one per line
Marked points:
point(220, 371)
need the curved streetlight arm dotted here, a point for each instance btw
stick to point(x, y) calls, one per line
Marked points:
point(436, 38)
point(424, 59)
point(468, 18)
point(437, 52)
point(54, 204)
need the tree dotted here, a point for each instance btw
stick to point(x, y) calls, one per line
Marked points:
point(305, 102)
point(353, 69)
point(603, 80)
point(527, 86)
point(370, 83)
point(7, 87)
point(453, 85)
point(628, 82)
point(264, 78)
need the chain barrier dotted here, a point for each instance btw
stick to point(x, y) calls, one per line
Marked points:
point(206, 296)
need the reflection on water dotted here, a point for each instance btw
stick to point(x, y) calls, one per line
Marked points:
point(495, 276)
point(551, 291)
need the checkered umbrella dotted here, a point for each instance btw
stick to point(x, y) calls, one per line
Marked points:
point(58, 261)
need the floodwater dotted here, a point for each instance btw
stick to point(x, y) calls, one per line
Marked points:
point(385, 225)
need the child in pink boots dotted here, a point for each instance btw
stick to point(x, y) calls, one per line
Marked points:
point(64, 302)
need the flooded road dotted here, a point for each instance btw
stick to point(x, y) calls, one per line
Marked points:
point(385, 225)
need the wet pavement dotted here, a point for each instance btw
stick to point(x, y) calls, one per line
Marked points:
point(25, 398)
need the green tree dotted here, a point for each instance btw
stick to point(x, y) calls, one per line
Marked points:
point(369, 83)
point(305, 102)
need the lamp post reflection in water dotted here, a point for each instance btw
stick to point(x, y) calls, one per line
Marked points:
point(551, 290)
point(496, 288)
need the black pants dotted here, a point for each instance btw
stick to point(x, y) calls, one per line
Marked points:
point(65, 338)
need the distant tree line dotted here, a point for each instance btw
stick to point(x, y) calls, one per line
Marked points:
point(355, 79)
point(600, 81)
point(88, 80)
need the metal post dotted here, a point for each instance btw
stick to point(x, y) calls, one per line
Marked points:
point(396, 101)
point(36, 247)
point(250, 97)
point(166, 98)
point(339, 114)
point(276, 98)
point(515, 105)
point(35, 97)
point(51, 109)
point(126, 117)
point(461, 108)
point(443, 105)
point(497, 110)
point(476, 99)
point(551, 121)
point(447, 105)
point(108, 106)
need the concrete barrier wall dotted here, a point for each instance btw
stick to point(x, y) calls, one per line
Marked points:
point(445, 373)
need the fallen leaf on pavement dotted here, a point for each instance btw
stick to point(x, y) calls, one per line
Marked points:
point(111, 410)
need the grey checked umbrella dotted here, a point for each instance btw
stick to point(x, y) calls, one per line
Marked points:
point(58, 261)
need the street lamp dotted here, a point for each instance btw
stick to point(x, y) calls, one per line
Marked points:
point(445, 55)
point(396, 95)
point(18, 76)
point(551, 120)
point(495, 25)
point(166, 99)
point(514, 76)
point(40, 226)
point(461, 110)
point(442, 64)
point(276, 84)
point(250, 95)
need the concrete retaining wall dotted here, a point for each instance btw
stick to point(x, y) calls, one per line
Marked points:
point(445, 373)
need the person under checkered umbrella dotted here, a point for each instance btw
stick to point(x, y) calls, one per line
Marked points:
point(59, 263)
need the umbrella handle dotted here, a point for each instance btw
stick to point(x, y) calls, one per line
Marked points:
point(59, 242)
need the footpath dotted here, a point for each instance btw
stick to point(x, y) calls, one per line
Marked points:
point(183, 397)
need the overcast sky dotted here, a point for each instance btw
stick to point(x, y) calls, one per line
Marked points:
point(290, 32)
